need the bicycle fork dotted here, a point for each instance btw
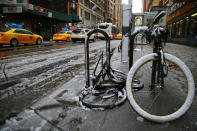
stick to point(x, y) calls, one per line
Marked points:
point(159, 71)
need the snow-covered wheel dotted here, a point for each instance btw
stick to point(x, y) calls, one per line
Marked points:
point(162, 104)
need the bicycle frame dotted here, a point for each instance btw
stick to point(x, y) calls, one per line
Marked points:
point(157, 75)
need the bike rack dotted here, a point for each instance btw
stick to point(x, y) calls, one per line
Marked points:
point(106, 75)
point(138, 84)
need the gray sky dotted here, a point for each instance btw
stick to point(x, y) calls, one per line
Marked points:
point(137, 5)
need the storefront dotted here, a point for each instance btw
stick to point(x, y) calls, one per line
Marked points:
point(182, 23)
point(39, 20)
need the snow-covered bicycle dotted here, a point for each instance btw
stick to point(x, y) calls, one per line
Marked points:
point(168, 85)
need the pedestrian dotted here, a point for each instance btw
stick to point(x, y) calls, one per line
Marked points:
point(165, 36)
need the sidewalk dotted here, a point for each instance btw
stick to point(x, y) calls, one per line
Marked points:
point(60, 110)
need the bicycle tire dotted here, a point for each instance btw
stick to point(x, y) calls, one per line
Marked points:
point(94, 105)
point(173, 115)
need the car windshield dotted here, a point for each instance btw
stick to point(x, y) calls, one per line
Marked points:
point(77, 31)
point(4, 29)
point(61, 32)
point(103, 27)
point(69, 33)
point(87, 30)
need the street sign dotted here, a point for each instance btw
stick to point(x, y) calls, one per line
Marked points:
point(15, 9)
point(50, 14)
point(14, 25)
point(40, 9)
point(151, 15)
point(30, 6)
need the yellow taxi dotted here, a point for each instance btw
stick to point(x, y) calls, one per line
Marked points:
point(15, 36)
point(62, 36)
point(119, 36)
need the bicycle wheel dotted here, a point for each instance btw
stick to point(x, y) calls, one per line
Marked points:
point(162, 104)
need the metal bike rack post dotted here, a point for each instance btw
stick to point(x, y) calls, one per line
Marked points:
point(131, 43)
point(87, 61)
point(104, 84)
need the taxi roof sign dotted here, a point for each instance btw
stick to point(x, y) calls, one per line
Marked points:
point(13, 25)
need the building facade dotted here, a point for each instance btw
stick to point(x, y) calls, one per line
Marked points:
point(118, 14)
point(44, 17)
point(113, 12)
point(154, 5)
point(180, 19)
point(182, 22)
point(91, 12)
point(110, 11)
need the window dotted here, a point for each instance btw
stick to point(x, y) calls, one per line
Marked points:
point(173, 30)
point(61, 32)
point(81, 13)
point(27, 32)
point(193, 27)
point(170, 30)
point(87, 30)
point(87, 15)
point(181, 29)
point(4, 30)
point(68, 33)
point(77, 31)
point(103, 27)
point(178, 29)
point(87, 3)
point(18, 31)
point(19, 1)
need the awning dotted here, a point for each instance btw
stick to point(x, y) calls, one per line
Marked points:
point(75, 18)
point(51, 14)
point(37, 10)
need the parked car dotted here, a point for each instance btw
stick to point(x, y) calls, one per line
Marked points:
point(62, 36)
point(15, 36)
point(79, 34)
point(119, 36)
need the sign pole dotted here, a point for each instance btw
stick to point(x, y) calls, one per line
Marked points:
point(126, 32)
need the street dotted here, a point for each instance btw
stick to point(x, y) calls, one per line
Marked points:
point(51, 81)
point(7, 51)
point(31, 71)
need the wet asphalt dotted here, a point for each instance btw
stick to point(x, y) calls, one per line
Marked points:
point(29, 72)
point(58, 101)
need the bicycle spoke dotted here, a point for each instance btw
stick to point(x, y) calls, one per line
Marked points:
point(154, 100)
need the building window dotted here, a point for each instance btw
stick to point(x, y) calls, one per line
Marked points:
point(173, 30)
point(87, 3)
point(183, 23)
point(74, 4)
point(19, 1)
point(184, 28)
point(87, 15)
point(193, 27)
point(81, 13)
point(177, 29)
